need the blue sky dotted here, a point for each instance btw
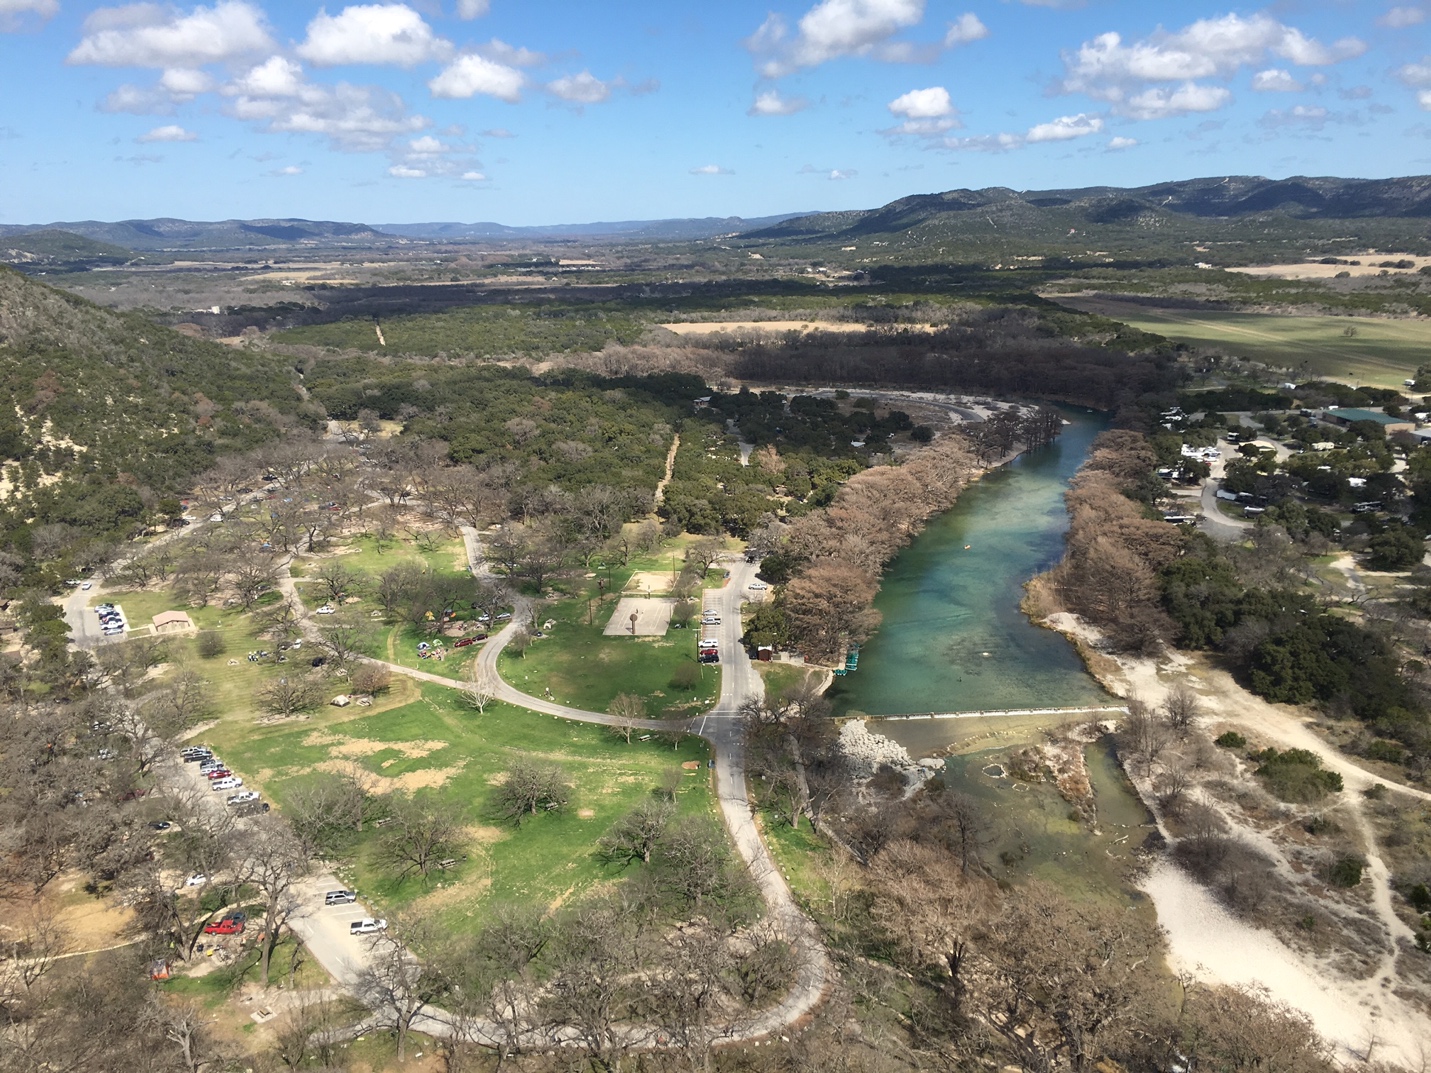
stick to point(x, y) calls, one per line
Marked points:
point(552, 111)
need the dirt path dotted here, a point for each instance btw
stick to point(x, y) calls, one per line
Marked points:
point(660, 496)
point(1210, 942)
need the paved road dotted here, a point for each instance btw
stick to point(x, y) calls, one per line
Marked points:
point(1216, 524)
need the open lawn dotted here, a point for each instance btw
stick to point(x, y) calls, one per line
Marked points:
point(435, 747)
point(581, 667)
point(1382, 353)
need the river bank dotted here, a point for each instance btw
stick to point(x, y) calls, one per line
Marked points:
point(1352, 987)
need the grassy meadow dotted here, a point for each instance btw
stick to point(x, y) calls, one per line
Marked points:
point(1381, 353)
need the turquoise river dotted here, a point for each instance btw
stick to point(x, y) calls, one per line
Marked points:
point(953, 638)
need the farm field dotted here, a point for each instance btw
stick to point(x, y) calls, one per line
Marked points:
point(1382, 353)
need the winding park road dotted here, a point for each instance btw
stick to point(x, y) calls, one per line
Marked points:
point(334, 949)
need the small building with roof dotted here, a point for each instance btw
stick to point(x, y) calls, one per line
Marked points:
point(1346, 416)
point(173, 622)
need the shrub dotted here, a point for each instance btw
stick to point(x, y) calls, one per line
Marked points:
point(211, 644)
point(686, 676)
point(1346, 871)
point(1388, 751)
point(1420, 898)
point(368, 678)
point(1230, 740)
point(1296, 775)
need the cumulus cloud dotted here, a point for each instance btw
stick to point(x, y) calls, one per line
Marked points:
point(770, 102)
point(711, 169)
point(372, 33)
point(276, 95)
point(835, 28)
point(511, 55)
point(1275, 80)
point(148, 35)
point(169, 133)
point(1190, 97)
point(1065, 128)
point(964, 29)
point(925, 111)
point(138, 100)
point(291, 169)
point(584, 88)
point(472, 9)
point(839, 174)
point(1120, 142)
point(473, 177)
point(11, 11)
point(471, 75)
point(403, 171)
point(1398, 18)
point(1107, 69)
point(1416, 74)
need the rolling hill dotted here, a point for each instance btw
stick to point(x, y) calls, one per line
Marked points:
point(53, 250)
point(172, 234)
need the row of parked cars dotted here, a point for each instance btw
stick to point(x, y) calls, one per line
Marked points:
point(111, 619)
point(212, 768)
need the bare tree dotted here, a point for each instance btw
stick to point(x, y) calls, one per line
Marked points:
point(531, 788)
point(480, 685)
point(271, 858)
point(1143, 734)
point(627, 709)
point(636, 835)
point(288, 696)
point(420, 835)
point(1182, 707)
point(395, 985)
point(337, 579)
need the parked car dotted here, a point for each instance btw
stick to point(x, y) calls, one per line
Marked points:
point(340, 897)
point(196, 880)
point(224, 927)
point(464, 642)
point(244, 797)
point(757, 586)
point(251, 808)
point(232, 782)
point(367, 927)
point(326, 609)
point(160, 825)
point(215, 774)
point(87, 586)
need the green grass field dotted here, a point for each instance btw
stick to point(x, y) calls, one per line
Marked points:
point(436, 746)
point(1382, 353)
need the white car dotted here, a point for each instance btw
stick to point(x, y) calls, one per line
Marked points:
point(196, 880)
point(231, 782)
point(367, 927)
point(243, 797)
point(757, 586)
point(87, 586)
point(326, 609)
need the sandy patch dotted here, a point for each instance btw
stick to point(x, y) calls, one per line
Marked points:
point(586, 813)
point(484, 835)
point(412, 750)
point(653, 581)
point(427, 778)
point(702, 328)
point(1371, 265)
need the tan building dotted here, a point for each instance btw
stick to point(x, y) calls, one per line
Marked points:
point(173, 622)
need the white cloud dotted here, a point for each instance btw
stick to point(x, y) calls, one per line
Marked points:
point(964, 29)
point(1159, 103)
point(358, 119)
point(1065, 128)
point(291, 169)
point(372, 33)
point(469, 75)
point(835, 28)
point(1109, 70)
point(12, 10)
point(986, 143)
point(1416, 74)
point(138, 100)
point(1398, 18)
point(402, 171)
point(427, 145)
point(472, 9)
point(511, 55)
point(170, 133)
point(771, 103)
point(1120, 142)
point(584, 88)
point(840, 174)
point(926, 111)
point(1275, 80)
point(923, 103)
point(711, 169)
point(185, 83)
point(148, 35)
point(498, 132)
point(1308, 116)
point(473, 177)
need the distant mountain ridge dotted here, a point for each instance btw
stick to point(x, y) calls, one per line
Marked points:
point(172, 234)
point(673, 230)
point(1231, 197)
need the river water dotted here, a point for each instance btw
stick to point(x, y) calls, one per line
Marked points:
point(953, 637)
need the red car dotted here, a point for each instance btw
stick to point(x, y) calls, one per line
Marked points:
point(228, 926)
point(217, 773)
point(469, 641)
